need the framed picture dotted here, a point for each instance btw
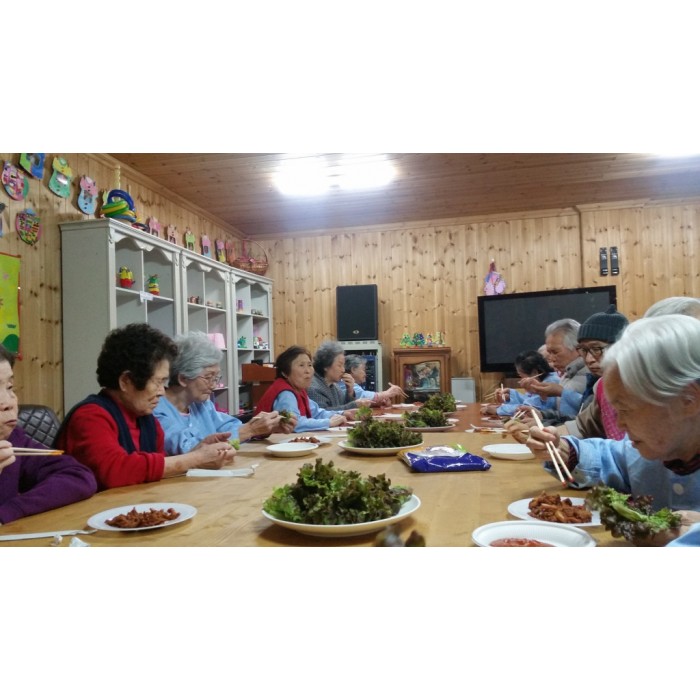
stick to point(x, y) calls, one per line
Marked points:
point(422, 371)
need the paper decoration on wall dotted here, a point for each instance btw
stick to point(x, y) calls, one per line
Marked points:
point(14, 182)
point(87, 199)
point(28, 225)
point(2, 209)
point(189, 239)
point(230, 250)
point(33, 163)
point(493, 282)
point(154, 226)
point(220, 251)
point(62, 177)
point(9, 301)
point(206, 246)
point(171, 234)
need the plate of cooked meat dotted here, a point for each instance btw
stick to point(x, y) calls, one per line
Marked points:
point(141, 516)
point(554, 508)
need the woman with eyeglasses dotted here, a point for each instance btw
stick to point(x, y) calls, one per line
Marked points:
point(114, 432)
point(186, 411)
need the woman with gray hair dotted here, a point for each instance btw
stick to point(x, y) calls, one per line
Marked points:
point(354, 378)
point(187, 413)
point(329, 369)
point(652, 379)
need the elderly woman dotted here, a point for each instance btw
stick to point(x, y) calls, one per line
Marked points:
point(187, 413)
point(652, 379)
point(114, 433)
point(329, 369)
point(354, 378)
point(289, 392)
point(32, 484)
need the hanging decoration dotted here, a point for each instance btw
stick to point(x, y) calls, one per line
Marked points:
point(62, 176)
point(87, 199)
point(28, 225)
point(9, 301)
point(206, 246)
point(493, 282)
point(154, 226)
point(14, 182)
point(33, 163)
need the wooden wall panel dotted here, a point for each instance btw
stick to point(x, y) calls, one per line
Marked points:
point(39, 374)
point(428, 277)
point(658, 248)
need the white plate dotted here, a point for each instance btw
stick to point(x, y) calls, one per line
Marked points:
point(406, 406)
point(99, 521)
point(520, 509)
point(339, 429)
point(486, 429)
point(549, 533)
point(453, 420)
point(291, 449)
point(376, 451)
point(321, 441)
point(390, 416)
point(508, 451)
point(431, 429)
point(411, 505)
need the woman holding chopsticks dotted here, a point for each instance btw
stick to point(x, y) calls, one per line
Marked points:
point(32, 478)
point(652, 380)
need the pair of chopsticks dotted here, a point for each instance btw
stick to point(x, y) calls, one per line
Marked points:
point(492, 395)
point(559, 463)
point(35, 451)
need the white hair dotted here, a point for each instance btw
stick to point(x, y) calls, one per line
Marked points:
point(688, 306)
point(657, 357)
point(567, 328)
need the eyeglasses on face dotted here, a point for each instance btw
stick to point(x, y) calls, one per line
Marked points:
point(211, 379)
point(595, 351)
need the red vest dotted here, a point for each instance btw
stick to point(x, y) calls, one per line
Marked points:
point(276, 388)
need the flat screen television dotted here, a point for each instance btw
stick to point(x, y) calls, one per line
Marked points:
point(512, 323)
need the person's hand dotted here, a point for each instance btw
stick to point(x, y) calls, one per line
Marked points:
point(502, 395)
point(337, 419)
point(543, 389)
point(539, 437)
point(490, 409)
point(395, 391)
point(214, 455)
point(216, 437)
point(7, 456)
point(265, 423)
point(361, 403)
point(519, 430)
point(349, 383)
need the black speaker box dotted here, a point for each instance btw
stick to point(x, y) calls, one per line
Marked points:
point(356, 312)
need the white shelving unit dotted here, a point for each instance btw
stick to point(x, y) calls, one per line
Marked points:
point(196, 293)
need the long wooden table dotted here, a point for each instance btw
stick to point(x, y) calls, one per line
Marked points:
point(229, 508)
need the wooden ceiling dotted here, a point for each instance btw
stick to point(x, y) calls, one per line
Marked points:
point(238, 188)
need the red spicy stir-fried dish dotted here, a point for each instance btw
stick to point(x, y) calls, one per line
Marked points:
point(147, 518)
point(555, 509)
point(518, 542)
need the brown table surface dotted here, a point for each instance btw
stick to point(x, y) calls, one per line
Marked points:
point(229, 509)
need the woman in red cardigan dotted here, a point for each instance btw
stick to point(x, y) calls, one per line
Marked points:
point(114, 433)
point(288, 392)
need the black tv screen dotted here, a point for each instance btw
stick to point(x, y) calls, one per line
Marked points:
point(513, 323)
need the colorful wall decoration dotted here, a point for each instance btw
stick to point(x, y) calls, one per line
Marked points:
point(9, 301)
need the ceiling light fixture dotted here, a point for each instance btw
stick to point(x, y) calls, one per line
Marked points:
point(317, 175)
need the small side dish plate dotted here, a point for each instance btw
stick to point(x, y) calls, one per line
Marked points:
point(376, 451)
point(548, 533)
point(521, 509)
point(291, 449)
point(98, 521)
point(508, 451)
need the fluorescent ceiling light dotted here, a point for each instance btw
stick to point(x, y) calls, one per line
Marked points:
point(317, 175)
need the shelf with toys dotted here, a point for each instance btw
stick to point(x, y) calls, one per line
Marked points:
point(114, 274)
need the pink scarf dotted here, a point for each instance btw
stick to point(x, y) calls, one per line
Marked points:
point(607, 413)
